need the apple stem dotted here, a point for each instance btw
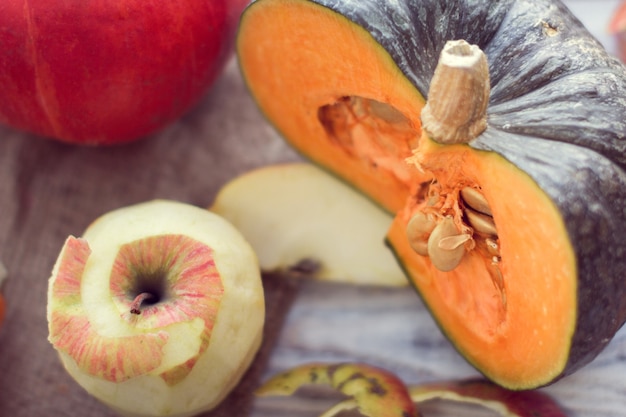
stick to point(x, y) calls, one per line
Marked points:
point(135, 307)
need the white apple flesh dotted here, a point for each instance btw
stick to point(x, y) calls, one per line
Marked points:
point(158, 309)
point(297, 212)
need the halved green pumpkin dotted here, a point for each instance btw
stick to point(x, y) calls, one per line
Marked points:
point(520, 245)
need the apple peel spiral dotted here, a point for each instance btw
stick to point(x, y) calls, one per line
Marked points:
point(158, 309)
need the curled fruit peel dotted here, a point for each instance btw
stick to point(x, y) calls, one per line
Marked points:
point(118, 359)
point(508, 403)
point(376, 392)
point(379, 393)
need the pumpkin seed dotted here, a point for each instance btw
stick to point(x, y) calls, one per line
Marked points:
point(418, 231)
point(492, 247)
point(453, 242)
point(474, 199)
point(387, 113)
point(481, 223)
point(446, 245)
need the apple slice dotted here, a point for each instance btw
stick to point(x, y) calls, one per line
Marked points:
point(158, 309)
point(296, 214)
point(375, 391)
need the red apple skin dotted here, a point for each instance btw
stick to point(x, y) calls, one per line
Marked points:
point(109, 71)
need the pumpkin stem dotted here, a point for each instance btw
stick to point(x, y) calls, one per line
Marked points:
point(456, 111)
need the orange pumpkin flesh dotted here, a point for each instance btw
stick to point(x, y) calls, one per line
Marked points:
point(517, 325)
point(531, 314)
point(308, 95)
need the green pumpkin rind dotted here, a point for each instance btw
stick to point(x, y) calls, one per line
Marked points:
point(557, 112)
point(588, 190)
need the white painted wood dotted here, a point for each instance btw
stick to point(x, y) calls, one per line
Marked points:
point(595, 15)
point(391, 328)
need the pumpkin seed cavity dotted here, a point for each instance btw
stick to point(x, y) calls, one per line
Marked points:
point(371, 131)
point(433, 232)
point(448, 226)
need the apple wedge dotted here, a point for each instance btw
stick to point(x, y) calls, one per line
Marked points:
point(296, 214)
point(158, 309)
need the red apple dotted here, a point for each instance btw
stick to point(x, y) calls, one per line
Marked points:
point(617, 27)
point(109, 71)
point(346, 244)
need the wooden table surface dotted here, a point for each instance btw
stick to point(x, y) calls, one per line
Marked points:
point(50, 190)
